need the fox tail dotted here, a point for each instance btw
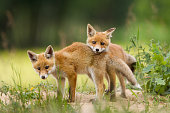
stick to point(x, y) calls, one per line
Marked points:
point(131, 62)
point(123, 68)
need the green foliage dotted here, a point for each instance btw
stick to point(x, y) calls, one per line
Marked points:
point(153, 70)
point(153, 66)
point(32, 99)
point(36, 98)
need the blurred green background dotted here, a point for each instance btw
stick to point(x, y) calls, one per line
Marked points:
point(38, 23)
point(34, 24)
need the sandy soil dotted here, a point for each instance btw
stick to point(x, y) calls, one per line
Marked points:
point(136, 104)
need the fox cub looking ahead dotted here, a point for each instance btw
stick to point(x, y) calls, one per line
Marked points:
point(79, 58)
point(98, 44)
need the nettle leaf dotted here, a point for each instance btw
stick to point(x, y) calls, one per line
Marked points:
point(159, 81)
point(148, 68)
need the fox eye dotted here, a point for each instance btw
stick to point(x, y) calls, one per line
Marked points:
point(38, 68)
point(102, 43)
point(46, 67)
point(94, 42)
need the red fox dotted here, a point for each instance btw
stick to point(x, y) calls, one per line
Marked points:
point(76, 59)
point(98, 44)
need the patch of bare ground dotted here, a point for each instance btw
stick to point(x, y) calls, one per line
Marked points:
point(131, 104)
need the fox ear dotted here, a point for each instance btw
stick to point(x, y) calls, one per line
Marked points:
point(90, 31)
point(49, 52)
point(109, 32)
point(32, 56)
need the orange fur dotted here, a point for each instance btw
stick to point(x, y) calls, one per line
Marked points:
point(79, 58)
point(72, 60)
point(115, 52)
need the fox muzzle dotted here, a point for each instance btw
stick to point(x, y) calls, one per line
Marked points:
point(43, 76)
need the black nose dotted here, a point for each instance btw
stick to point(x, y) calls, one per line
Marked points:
point(43, 77)
point(97, 50)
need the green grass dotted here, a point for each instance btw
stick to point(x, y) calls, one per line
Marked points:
point(19, 61)
point(26, 89)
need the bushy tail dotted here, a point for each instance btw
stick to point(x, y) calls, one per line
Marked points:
point(122, 67)
point(131, 61)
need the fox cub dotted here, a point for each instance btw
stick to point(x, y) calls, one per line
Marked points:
point(98, 44)
point(79, 58)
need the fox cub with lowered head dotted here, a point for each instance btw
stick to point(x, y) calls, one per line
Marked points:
point(99, 44)
point(75, 59)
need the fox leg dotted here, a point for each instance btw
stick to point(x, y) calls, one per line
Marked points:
point(89, 75)
point(112, 77)
point(108, 81)
point(122, 83)
point(97, 76)
point(99, 86)
point(72, 79)
point(60, 84)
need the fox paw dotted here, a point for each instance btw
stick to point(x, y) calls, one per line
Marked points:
point(123, 95)
point(113, 99)
point(69, 101)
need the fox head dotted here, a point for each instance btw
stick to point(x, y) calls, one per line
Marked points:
point(44, 63)
point(98, 41)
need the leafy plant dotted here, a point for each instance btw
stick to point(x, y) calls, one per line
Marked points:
point(37, 98)
point(158, 70)
point(153, 66)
